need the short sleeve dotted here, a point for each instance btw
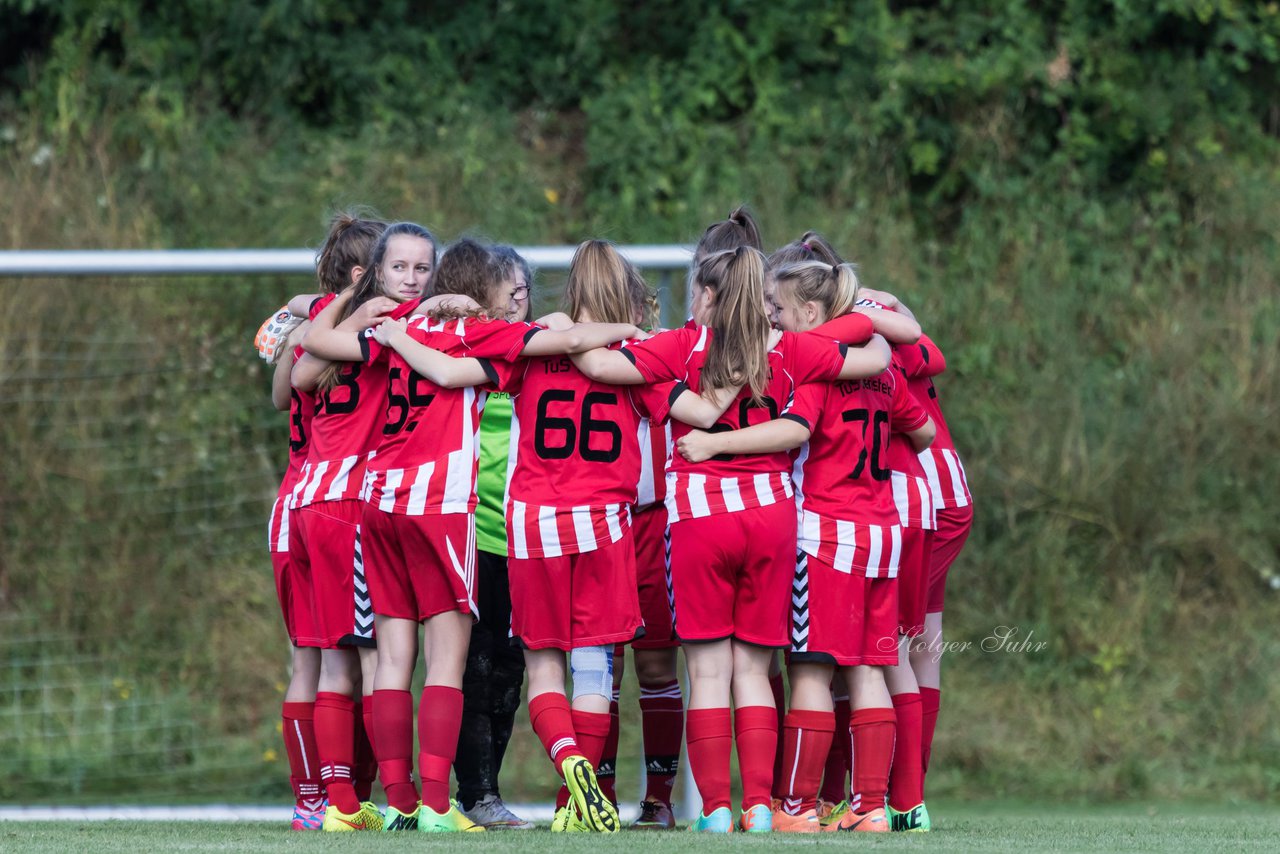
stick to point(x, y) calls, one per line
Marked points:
point(852, 328)
point(806, 404)
point(654, 400)
point(496, 339)
point(370, 348)
point(814, 358)
point(665, 356)
point(405, 309)
point(907, 414)
point(502, 375)
point(921, 359)
point(320, 304)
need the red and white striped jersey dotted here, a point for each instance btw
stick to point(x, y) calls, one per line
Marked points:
point(575, 458)
point(730, 483)
point(911, 491)
point(428, 457)
point(842, 474)
point(345, 430)
point(302, 408)
point(942, 467)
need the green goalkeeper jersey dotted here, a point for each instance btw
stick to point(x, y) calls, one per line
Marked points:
point(495, 445)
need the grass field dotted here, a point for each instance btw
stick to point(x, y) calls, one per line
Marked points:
point(988, 826)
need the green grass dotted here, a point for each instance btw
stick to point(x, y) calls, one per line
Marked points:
point(987, 826)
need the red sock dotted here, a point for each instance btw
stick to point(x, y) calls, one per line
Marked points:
point(364, 770)
point(871, 733)
point(806, 743)
point(607, 767)
point(439, 721)
point(553, 724)
point(662, 719)
point(930, 701)
point(335, 734)
point(592, 732)
point(710, 739)
point(780, 706)
point(835, 776)
point(300, 746)
point(393, 733)
point(756, 729)
point(906, 777)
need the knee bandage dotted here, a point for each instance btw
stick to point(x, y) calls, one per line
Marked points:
point(592, 669)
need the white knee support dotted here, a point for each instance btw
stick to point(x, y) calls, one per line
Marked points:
point(592, 669)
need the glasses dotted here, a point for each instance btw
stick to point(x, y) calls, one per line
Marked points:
point(521, 292)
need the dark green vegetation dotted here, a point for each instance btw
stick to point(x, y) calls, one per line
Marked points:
point(1079, 201)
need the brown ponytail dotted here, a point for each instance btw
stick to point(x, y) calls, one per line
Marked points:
point(738, 353)
point(740, 229)
point(348, 245)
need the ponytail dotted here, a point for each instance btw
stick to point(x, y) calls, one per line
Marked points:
point(740, 229)
point(810, 247)
point(832, 286)
point(348, 245)
point(738, 353)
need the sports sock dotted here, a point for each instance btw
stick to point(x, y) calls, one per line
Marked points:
point(807, 741)
point(662, 720)
point(439, 721)
point(930, 702)
point(710, 740)
point(299, 731)
point(780, 705)
point(393, 734)
point(553, 724)
point(871, 733)
point(756, 731)
point(906, 778)
point(835, 776)
point(607, 767)
point(335, 734)
point(364, 768)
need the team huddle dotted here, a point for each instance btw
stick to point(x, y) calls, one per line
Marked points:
point(529, 497)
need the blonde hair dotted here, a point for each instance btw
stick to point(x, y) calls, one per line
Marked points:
point(606, 287)
point(738, 353)
point(812, 246)
point(832, 286)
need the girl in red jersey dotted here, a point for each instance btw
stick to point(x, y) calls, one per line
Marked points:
point(844, 609)
point(344, 432)
point(576, 463)
point(339, 262)
point(419, 524)
point(732, 519)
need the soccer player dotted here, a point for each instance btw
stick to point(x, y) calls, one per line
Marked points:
point(844, 610)
point(340, 261)
point(732, 519)
point(344, 432)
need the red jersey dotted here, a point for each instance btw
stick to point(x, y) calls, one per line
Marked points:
point(575, 458)
point(428, 457)
point(345, 431)
point(911, 490)
point(842, 475)
point(729, 483)
point(942, 467)
point(302, 408)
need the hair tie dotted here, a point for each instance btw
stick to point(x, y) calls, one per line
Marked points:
point(807, 247)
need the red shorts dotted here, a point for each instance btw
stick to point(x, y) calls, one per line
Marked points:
point(294, 595)
point(954, 524)
point(913, 580)
point(731, 574)
point(842, 618)
point(419, 566)
point(328, 535)
point(649, 528)
point(586, 599)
